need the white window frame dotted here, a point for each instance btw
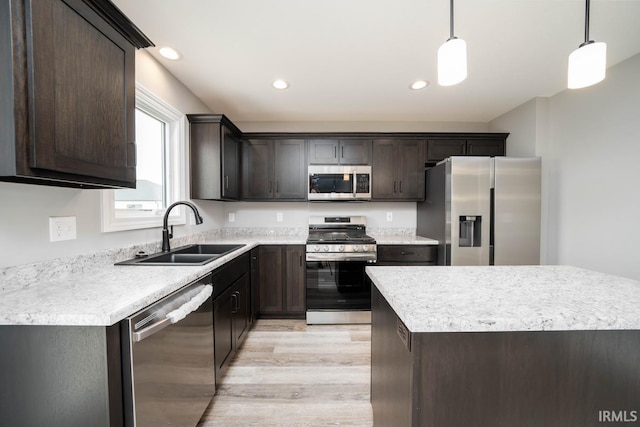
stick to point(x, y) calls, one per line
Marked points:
point(176, 133)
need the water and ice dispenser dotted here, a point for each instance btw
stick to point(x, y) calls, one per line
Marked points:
point(470, 235)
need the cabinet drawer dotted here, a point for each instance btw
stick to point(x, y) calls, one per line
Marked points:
point(224, 276)
point(411, 254)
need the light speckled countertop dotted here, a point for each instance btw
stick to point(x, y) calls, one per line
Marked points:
point(89, 290)
point(94, 292)
point(508, 298)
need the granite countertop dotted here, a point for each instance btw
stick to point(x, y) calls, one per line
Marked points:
point(508, 298)
point(94, 292)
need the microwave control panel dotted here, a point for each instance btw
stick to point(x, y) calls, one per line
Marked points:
point(362, 183)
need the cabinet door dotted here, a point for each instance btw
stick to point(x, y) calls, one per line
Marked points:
point(384, 169)
point(257, 169)
point(205, 153)
point(323, 152)
point(270, 272)
point(223, 307)
point(82, 89)
point(230, 165)
point(486, 147)
point(356, 152)
point(440, 149)
point(411, 170)
point(290, 169)
point(242, 309)
point(295, 298)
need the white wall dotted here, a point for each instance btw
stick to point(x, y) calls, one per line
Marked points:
point(590, 143)
point(25, 209)
point(296, 214)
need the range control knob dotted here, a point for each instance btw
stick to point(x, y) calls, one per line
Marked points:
point(341, 248)
point(316, 248)
point(365, 248)
point(325, 248)
point(356, 248)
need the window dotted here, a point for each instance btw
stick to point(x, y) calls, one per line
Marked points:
point(160, 169)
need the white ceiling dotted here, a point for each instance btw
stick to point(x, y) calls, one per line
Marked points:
point(353, 60)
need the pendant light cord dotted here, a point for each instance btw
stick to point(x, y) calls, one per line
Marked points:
point(451, 19)
point(586, 21)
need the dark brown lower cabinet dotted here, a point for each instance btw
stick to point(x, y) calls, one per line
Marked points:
point(231, 310)
point(500, 379)
point(281, 281)
point(407, 255)
point(59, 376)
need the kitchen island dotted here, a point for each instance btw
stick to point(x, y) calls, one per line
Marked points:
point(504, 346)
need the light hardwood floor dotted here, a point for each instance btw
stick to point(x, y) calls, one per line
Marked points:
point(290, 374)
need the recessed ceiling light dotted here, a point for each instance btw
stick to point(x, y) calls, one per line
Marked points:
point(280, 84)
point(419, 84)
point(170, 53)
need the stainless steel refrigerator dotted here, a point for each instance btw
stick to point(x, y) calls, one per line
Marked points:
point(483, 210)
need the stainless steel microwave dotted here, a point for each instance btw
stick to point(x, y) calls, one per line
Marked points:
point(333, 182)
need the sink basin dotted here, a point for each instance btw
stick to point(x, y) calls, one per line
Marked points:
point(205, 249)
point(178, 258)
point(199, 254)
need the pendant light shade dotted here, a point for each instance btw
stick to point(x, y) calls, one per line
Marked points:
point(452, 62)
point(588, 63)
point(452, 58)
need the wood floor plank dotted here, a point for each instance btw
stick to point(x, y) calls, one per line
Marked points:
point(288, 373)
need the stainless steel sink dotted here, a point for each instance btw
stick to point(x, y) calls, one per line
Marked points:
point(199, 254)
point(206, 249)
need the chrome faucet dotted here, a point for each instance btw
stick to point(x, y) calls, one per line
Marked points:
point(166, 234)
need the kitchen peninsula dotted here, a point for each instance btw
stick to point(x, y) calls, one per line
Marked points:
point(503, 346)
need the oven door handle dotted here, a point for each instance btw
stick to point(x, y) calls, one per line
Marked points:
point(371, 258)
point(176, 315)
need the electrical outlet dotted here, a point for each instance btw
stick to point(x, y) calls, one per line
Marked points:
point(232, 217)
point(62, 228)
point(389, 216)
point(279, 217)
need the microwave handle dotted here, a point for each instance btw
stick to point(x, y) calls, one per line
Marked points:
point(355, 184)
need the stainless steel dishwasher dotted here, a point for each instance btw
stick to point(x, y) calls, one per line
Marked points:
point(168, 362)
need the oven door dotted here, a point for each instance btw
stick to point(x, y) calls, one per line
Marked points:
point(337, 285)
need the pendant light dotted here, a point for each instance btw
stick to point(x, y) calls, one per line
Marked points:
point(588, 63)
point(452, 58)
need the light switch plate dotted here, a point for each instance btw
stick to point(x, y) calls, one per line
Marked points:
point(62, 228)
point(279, 217)
point(232, 217)
point(389, 216)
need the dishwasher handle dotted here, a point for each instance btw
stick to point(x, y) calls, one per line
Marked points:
point(176, 315)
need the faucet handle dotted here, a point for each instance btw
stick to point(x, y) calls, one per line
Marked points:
point(171, 231)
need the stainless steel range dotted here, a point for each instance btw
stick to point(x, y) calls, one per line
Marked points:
point(338, 250)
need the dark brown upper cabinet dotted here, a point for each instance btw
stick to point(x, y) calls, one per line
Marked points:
point(274, 169)
point(440, 149)
point(215, 157)
point(398, 170)
point(67, 108)
point(339, 152)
